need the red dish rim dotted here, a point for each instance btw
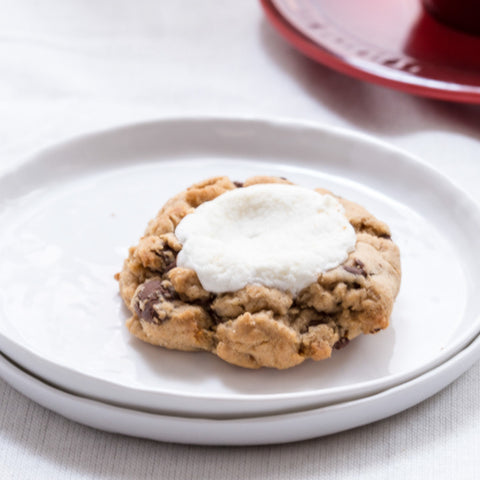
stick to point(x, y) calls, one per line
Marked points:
point(319, 54)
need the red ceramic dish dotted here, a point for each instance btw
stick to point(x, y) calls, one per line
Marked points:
point(389, 42)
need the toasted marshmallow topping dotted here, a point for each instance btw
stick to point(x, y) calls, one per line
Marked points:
point(276, 235)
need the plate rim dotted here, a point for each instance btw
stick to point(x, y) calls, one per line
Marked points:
point(31, 386)
point(285, 123)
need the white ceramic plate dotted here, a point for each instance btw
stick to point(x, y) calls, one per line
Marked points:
point(281, 428)
point(69, 214)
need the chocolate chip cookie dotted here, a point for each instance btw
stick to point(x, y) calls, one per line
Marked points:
point(257, 325)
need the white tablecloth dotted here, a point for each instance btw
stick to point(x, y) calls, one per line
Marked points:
point(68, 67)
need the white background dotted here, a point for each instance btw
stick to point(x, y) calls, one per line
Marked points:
point(68, 67)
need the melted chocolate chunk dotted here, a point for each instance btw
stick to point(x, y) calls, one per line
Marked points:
point(152, 292)
point(238, 184)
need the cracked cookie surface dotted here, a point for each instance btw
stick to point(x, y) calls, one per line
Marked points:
point(257, 326)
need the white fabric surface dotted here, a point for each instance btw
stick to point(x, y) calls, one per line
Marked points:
point(68, 67)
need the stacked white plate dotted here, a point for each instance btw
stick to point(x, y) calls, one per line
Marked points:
point(69, 214)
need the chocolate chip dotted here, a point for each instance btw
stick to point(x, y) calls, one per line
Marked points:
point(316, 321)
point(152, 292)
point(385, 236)
point(357, 268)
point(216, 318)
point(168, 292)
point(146, 298)
point(168, 257)
point(359, 264)
point(354, 270)
point(321, 319)
point(170, 266)
point(238, 184)
point(343, 342)
point(149, 288)
point(206, 304)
